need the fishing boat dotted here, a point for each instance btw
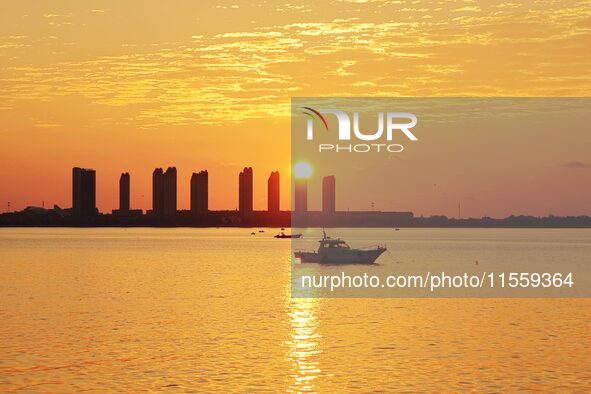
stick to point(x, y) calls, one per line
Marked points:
point(283, 235)
point(336, 251)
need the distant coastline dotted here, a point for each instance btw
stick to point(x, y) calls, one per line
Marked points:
point(36, 217)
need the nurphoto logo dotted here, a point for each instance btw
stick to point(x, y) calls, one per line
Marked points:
point(395, 121)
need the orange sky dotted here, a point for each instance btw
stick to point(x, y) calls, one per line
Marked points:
point(129, 86)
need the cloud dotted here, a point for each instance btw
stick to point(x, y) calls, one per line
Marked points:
point(45, 125)
point(249, 72)
point(577, 164)
point(469, 9)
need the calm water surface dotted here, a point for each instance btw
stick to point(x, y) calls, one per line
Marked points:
point(194, 310)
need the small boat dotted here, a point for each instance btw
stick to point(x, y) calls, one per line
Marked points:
point(261, 231)
point(336, 251)
point(283, 235)
point(253, 233)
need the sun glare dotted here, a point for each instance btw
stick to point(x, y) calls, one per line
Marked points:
point(302, 170)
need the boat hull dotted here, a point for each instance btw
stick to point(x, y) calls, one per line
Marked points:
point(289, 236)
point(349, 256)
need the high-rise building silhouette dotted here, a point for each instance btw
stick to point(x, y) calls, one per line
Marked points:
point(301, 195)
point(199, 192)
point(170, 196)
point(124, 192)
point(328, 194)
point(164, 191)
point(245, 190)
point(83, 192)
point(273, 192)
point(157, 191)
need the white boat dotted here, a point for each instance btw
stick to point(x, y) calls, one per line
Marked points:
point(336, 251)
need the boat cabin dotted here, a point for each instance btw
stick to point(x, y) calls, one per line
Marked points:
point(328, 242)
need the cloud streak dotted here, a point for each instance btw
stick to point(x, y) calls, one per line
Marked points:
point(230, 76)
point(577, 165)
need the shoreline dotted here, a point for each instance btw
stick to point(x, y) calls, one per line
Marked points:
point(306, 227)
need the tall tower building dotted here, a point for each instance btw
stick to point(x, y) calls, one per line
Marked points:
point(199, 192)
point(124, 192)
point(164, 191)
point(273, 192)
point(83, 192)
point(245, 190)
point(328, 194)
point(157, 192)
point(170, 191)
point(301, 195)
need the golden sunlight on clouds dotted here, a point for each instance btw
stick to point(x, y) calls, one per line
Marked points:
point(385, 48)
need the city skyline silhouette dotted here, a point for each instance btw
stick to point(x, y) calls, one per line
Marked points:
point(164, 211)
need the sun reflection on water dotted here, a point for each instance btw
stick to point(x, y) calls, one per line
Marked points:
point(303, 344)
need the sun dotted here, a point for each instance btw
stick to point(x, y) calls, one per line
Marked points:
point(302, 170)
